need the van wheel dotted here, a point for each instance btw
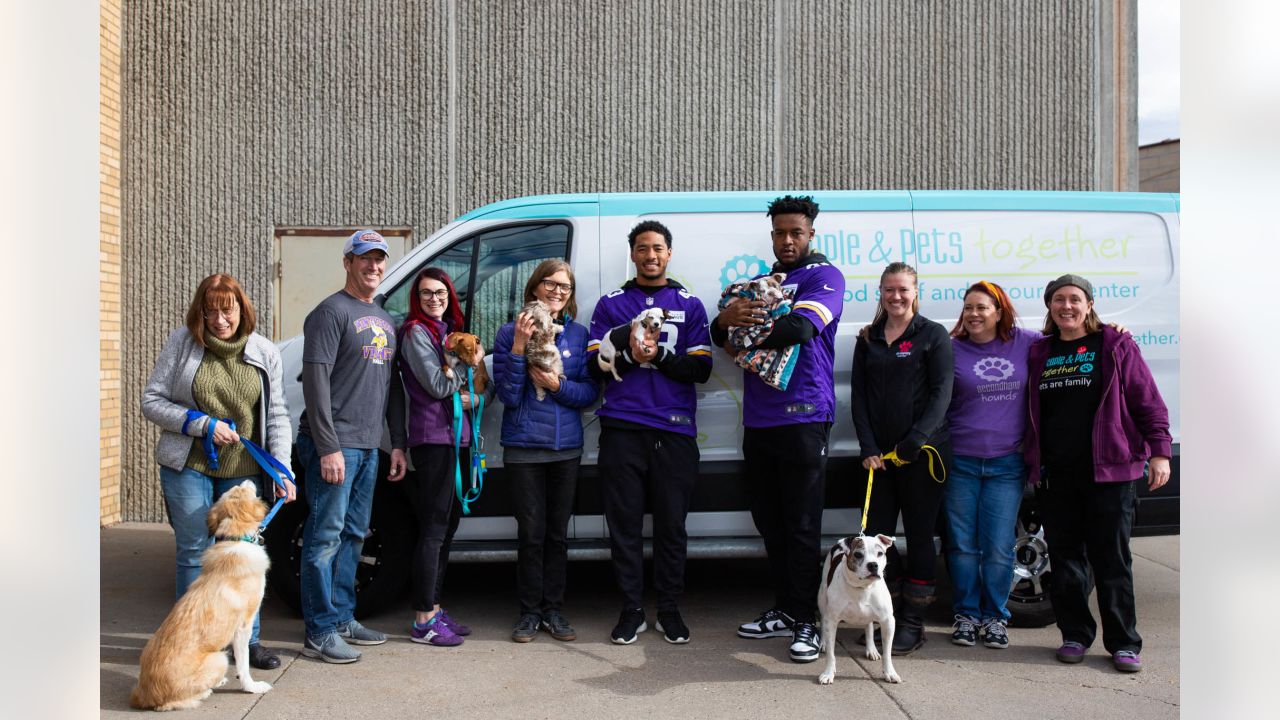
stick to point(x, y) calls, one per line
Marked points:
point(383, 569)
point(1029, 604)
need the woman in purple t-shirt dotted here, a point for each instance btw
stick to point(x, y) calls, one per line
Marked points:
point(988, 416)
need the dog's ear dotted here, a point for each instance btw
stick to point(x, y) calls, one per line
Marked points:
point(886, 540)
point(779, 277)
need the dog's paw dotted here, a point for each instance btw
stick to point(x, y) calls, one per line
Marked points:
point(892, 677)
point(872, 653)
point(826, 678)
point(221, 682)
point(257, 687)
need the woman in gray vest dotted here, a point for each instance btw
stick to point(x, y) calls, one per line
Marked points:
point(215, 368)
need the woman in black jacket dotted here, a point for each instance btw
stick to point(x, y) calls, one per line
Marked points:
point(901, 386)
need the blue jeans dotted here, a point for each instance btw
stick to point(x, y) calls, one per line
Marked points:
point(982, 500)
point(188, 495)
point(334, 536)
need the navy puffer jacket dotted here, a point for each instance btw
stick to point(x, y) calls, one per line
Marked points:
point(555, 423)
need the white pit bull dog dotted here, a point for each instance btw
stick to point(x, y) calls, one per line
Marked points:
point(853, 592)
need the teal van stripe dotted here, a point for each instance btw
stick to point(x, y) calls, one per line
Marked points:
point(633, 204)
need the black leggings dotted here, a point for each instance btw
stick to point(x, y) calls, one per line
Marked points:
point(437, 510)
point(910, 490)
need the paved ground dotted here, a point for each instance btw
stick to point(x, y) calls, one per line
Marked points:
point(715, 675)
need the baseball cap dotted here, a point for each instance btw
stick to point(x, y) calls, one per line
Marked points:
point(362, 241)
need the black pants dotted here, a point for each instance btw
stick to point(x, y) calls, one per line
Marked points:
point(1088, 525)
point(542, 494)
point(911, 491)
point(437, 510)
point(662, 466)
point(786, 472)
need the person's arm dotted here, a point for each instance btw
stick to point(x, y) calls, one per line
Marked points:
point(319, 401)
point(820, 301)
point(858, 401)
point(601, 324)
point(694, 365)
point(278, 434)
point(790, 329)
point(397, 412)
point(423, 359)
point(157, 406)
point(579, 389)
point(510, 372)
point(1143, 401)
point(940, 375)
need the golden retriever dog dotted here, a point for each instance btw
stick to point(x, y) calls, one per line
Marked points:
point(186, 659)
point(461, 348)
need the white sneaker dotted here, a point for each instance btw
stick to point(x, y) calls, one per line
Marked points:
point(774, 623)
point(805, 643)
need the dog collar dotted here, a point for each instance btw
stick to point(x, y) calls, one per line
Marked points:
point(255, 538)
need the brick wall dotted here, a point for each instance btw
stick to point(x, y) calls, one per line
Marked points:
point(109, 254)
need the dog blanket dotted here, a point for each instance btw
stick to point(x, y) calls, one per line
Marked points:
point(774, 366)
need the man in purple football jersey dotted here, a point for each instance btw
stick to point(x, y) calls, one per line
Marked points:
point(648, 438)
point(784, 439)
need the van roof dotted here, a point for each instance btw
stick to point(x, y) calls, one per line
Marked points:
point(590, 204)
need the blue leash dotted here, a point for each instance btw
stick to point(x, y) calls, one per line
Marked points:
point(478, 467)
point(274, 469)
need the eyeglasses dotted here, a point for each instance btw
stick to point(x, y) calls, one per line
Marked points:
point(551, 286)
point(441, 294)
point(224, 314)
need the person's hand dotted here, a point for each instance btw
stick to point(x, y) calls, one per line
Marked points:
point(742, 312)
point(524, 330)
point(399, 465)
point(1120, 328)
point(1158, 472)
point(874, 462)
point(466, 399)
point(545, 379)
point(333, 469)
point(289, 492)
point(223, 434)
point(643, 350)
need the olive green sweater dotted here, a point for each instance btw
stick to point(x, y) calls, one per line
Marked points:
point(225, 386)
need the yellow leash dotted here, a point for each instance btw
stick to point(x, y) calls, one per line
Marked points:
point(930, 452)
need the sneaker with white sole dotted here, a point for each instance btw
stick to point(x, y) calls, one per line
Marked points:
point(672, 627)
point(995, 635)
point(330, 648)
point(435, 632)
point(357, 634)
point(966, 632)
point(630, 623)
point(805, 642)
point(773, 623)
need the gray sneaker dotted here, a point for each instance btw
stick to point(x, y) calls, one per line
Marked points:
point(357, 634)
point(331, 648)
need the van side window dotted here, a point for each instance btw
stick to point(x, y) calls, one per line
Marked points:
point(502, 258)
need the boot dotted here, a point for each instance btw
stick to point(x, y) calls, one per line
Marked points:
point(908, 636)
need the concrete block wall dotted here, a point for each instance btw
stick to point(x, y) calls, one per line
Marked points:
point(240, 117)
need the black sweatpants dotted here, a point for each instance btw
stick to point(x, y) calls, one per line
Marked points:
point(786, 472)
point(435, 506)
point(662, 466)
point(1088, 525)
point(543, 497)
point(911, 491)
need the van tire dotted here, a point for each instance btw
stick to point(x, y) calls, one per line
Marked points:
point(383, 572)
point(1029, 602)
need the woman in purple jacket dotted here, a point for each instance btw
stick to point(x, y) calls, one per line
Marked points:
point(1096, 418)
point(542, 446)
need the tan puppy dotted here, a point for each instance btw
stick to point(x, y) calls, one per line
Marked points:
point(463, 347)
point(541, 350)
point(185, 659)
point(853, 592)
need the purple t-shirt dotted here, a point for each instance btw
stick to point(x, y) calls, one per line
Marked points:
point(988, 412)
point(816, 291)
point(646, 396)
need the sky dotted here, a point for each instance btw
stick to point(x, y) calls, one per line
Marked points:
point(1158, 75)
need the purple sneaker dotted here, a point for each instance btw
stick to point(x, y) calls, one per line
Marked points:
point(435, 633)
point(1071, 652)
point(1127, 661)
point(457, 627)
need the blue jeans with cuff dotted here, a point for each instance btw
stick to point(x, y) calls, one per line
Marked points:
point(333, 536)
point(188, 495)
point(982, 500)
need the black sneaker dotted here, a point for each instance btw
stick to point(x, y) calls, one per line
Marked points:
point(559, 628)
point(672, 627)
point(804, 642)
point(630, 622)
point(994, 635)
point(526, 628)
point(966, 631)
point(773, 623)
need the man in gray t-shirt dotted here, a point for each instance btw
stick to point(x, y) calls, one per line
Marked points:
point(347, 371)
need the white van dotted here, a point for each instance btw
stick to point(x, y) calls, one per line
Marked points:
point(1126, 244)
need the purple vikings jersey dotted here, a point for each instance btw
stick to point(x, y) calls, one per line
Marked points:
point(816, 291)
point(646, 396)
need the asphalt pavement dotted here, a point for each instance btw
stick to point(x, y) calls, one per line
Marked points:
point(716, 675)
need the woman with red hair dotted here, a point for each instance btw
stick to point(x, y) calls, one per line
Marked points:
point(988, 415)
point(434, 315)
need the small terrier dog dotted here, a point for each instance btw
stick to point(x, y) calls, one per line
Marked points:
point(855, 593)
point(185, 659)
point(462, 348)
point(645, 327)
point(541, 351)
point(767, 288)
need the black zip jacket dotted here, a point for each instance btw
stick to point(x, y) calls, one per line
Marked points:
point(901, 393)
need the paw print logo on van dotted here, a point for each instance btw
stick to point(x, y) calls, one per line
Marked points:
point(993, 369)
point(742, 267)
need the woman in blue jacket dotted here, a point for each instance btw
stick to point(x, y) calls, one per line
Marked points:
point(542, 445)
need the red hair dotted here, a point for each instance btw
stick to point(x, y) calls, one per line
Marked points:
point(1004, 326)
point(219, 292)
point(417, 316)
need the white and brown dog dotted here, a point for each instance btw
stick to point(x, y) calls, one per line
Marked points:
point(541, 351)
point(854, 592)
point(645, 328)
point(186, 658)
